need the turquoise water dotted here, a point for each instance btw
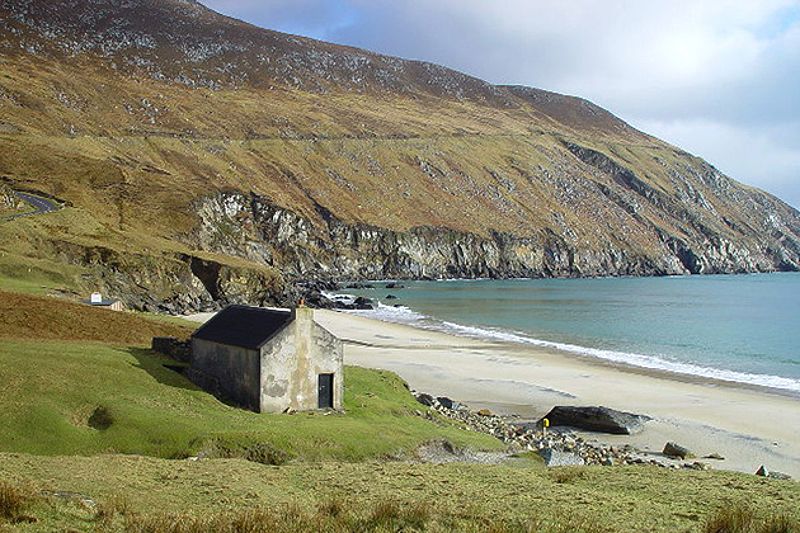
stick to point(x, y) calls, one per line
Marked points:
point(737, 328)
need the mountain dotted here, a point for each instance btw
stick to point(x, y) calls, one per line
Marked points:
point(203, 160)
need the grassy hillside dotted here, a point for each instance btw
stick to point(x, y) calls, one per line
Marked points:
point(439, 498)
point(78, 380)
point(30, 318)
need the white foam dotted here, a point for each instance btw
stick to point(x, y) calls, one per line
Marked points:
point(399, 314)
point(405, 315)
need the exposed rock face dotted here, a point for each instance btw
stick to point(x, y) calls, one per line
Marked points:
point(248, 226)
point(600, 419)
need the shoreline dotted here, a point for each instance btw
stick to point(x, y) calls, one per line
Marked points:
point(748, 424)
point(674, 375)
point(688, 372)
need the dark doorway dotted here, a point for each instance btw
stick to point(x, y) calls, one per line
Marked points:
point(325, 391)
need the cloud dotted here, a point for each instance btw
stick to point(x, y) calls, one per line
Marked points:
point(767, 156)
point(719, 78)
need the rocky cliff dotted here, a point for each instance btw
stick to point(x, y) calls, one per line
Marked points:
point(204, 161)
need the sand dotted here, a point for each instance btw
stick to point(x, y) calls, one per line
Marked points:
point(747, 426)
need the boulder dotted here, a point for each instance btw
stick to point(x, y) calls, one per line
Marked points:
point(315, 299)
point(600, 419)
point(364, 304)
point(448, 403)
point(553, 458)
point(395, 286)
point(674, 450)
point(485, 412)
point(391, 297)
point(426, 399)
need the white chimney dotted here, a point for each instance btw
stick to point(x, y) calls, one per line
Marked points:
point(97, 298)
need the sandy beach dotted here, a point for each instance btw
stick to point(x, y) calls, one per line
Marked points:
point(747, 426)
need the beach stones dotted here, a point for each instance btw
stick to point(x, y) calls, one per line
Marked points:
point(554, 458)
point(426, 399)
point(599, 419)
point(557, 446)
point(448, 403)
point(674, 450)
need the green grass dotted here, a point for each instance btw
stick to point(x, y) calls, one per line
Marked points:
point(51, 389)
point(475, 497)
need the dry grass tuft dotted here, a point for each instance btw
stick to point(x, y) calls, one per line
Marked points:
point(15, 502)
point(107, 511)
point(333, 516)
point(741, 518)
point(566, 475)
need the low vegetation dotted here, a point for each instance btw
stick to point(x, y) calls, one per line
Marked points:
point(30, 317)
point(15, 502)
point(743, 518)
point(130, 493)
point(79, 380)
point(129, 402)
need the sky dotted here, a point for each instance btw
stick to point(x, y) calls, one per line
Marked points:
point(719, 78)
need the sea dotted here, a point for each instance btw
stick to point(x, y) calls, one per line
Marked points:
point(736, 328)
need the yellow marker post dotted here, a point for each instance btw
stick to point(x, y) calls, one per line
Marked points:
point(545, 425)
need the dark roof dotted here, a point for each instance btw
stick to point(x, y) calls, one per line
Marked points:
point(103, 303)
point(245, 327)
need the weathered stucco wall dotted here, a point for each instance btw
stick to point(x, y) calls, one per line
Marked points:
point(229, 372)
point(292, 361)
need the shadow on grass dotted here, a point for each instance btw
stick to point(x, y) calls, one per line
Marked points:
point(163, 370)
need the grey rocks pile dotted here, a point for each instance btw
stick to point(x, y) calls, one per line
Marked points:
point(560, 446)
point(557, 447)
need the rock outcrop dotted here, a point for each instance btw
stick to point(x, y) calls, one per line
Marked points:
point(599, 419)
point(8, 200)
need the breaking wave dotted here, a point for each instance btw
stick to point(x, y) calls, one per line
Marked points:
point(407, 316)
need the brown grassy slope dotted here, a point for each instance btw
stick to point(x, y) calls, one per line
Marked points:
point(31, 317)
point(134, 122)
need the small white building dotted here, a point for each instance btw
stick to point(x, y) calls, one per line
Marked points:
point(269, 360)
point(97, 300)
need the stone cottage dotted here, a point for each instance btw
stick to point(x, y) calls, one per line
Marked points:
point(269, 361)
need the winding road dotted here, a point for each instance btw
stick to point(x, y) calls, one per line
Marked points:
point(40, 205)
